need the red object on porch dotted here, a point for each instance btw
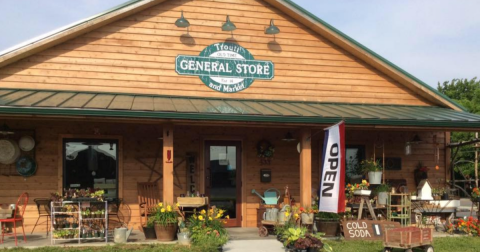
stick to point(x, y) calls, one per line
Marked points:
point(20, 206)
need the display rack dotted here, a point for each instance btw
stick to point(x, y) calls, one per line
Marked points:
point(399, 208)
point(79, 221)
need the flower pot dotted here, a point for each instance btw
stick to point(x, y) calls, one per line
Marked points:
point(437, 197)
point(445, 196)
point(149, 233)
point(307, 218)
point(382, 198)
point(166, 233)
point(331, 227)
point(183, 238)
point(375, 178)
point(362, 192)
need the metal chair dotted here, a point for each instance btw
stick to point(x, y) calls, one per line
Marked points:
point(43, 207)
point(17, 216)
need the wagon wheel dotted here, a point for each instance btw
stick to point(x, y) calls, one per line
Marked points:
point(263, 231)
point(428, 249)
point(387, 249)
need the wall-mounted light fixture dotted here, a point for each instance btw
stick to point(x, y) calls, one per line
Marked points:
point(228, 25)
point(288, 137)
point(5, 130)
point(182, 22)
point(272, 29)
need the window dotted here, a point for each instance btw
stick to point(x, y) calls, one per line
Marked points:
point(354, 155)
point(91, 163)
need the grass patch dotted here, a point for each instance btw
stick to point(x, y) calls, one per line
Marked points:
point(120, 248)
point(441, 244)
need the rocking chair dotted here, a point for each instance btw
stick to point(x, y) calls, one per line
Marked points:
point(148, 198)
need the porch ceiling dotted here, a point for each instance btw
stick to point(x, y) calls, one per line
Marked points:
point(66, 103)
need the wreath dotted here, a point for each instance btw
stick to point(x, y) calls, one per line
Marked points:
point(265, 149)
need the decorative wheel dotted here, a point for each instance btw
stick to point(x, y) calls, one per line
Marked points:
point(428, 249)
point(263, 231)
point(387, 249)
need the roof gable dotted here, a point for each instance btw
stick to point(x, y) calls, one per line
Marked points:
point(291, 9)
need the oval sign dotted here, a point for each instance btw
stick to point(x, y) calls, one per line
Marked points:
point(225, 67)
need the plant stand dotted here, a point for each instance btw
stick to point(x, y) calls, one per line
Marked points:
point(58, 212)
point(366, 199)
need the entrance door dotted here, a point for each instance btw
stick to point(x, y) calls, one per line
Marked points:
point(223, 169)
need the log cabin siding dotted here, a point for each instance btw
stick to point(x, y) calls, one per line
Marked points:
point(137, 54)
point(139, 141)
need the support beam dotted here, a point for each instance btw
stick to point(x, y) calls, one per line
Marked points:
point(168, 196)
point(306, 168)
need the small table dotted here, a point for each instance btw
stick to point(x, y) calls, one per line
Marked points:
point(192, 203)
point(443, 208)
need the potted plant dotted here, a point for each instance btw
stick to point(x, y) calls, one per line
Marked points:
point(291, 235)
point(328, 223)
point(420, 173)
point(373, 169)
point(475, 194)
point(382, 193)
point(149, 229)
point(207, 228)
point(302, 244)
point(360, 189)
point(183, 235)
point(165, 222)
point(306, 215)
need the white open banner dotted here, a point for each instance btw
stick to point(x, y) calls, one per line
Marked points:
point(332, 183)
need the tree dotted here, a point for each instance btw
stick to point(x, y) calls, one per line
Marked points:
point(466, 93)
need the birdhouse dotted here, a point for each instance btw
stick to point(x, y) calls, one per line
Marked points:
point(424, 190)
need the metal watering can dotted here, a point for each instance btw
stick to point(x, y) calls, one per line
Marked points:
point(270, 214)
point(271, 197)
point(120, 235)
point(281, 215)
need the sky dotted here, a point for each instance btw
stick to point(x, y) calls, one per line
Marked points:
point(435, 40)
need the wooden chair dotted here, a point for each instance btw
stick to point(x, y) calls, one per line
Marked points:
point(43, 207)
point(148, 198)
point(17, 216)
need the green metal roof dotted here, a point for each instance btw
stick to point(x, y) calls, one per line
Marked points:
point(69, 103)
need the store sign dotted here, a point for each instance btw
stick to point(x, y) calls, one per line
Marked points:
point(225, 67)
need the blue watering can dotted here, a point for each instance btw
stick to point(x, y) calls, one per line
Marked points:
point(270, 197)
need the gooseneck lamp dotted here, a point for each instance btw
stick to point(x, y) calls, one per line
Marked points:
point(272, 29)
point(182, 22)
point(228, 25)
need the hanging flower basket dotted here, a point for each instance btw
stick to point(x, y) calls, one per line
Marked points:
point(362, 192)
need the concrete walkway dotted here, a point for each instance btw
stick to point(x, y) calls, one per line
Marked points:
point(247, 239)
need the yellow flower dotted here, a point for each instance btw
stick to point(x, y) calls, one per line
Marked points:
point(160, 204)
point(203, 211)
point(227, 217)
point(169, 208)
point(296, 216)
point(287, 214)
point(210, 218)
point(200, 217)
point(162, 210)
point(177, 205)
point(218, 216)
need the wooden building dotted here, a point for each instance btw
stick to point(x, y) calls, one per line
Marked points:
point(141, 93)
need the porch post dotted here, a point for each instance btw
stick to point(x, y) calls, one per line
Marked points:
point(306, 168)
point(168, 164)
